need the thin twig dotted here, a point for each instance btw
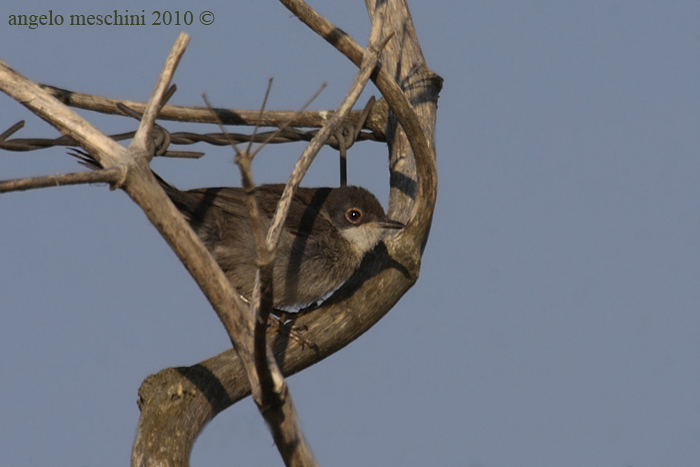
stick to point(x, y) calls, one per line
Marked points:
point(276, 401)
point(309, 119)
point(249, 150)
point(142, 142)
point(271, 393)
point(288, 122)
point(363, 117)
point(111, 176)
point(10, 131)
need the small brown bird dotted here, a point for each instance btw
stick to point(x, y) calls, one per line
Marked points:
point(325, 236)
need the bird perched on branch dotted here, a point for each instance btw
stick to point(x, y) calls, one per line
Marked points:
point(326, 234)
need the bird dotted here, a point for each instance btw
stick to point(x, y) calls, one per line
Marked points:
point(325, 236)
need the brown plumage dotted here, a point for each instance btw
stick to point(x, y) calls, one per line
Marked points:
point(327, 233)
point(325, 236)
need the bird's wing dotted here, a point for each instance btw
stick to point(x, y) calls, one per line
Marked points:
point(228, 200)
point(305, 211)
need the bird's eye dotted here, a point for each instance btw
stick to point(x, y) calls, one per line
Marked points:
point(354, 215)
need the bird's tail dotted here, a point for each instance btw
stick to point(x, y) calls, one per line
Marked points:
point(86, 159)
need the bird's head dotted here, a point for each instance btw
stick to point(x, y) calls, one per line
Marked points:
point(359, 217)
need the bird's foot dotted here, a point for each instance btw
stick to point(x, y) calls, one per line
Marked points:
point(283, 322)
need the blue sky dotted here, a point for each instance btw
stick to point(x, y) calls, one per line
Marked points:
point(555, 322)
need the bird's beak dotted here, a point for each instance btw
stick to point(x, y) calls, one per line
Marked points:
point(390, 224)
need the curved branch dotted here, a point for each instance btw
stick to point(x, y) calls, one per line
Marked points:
point(411, 91)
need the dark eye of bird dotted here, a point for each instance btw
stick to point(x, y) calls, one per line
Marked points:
point(354, 215)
